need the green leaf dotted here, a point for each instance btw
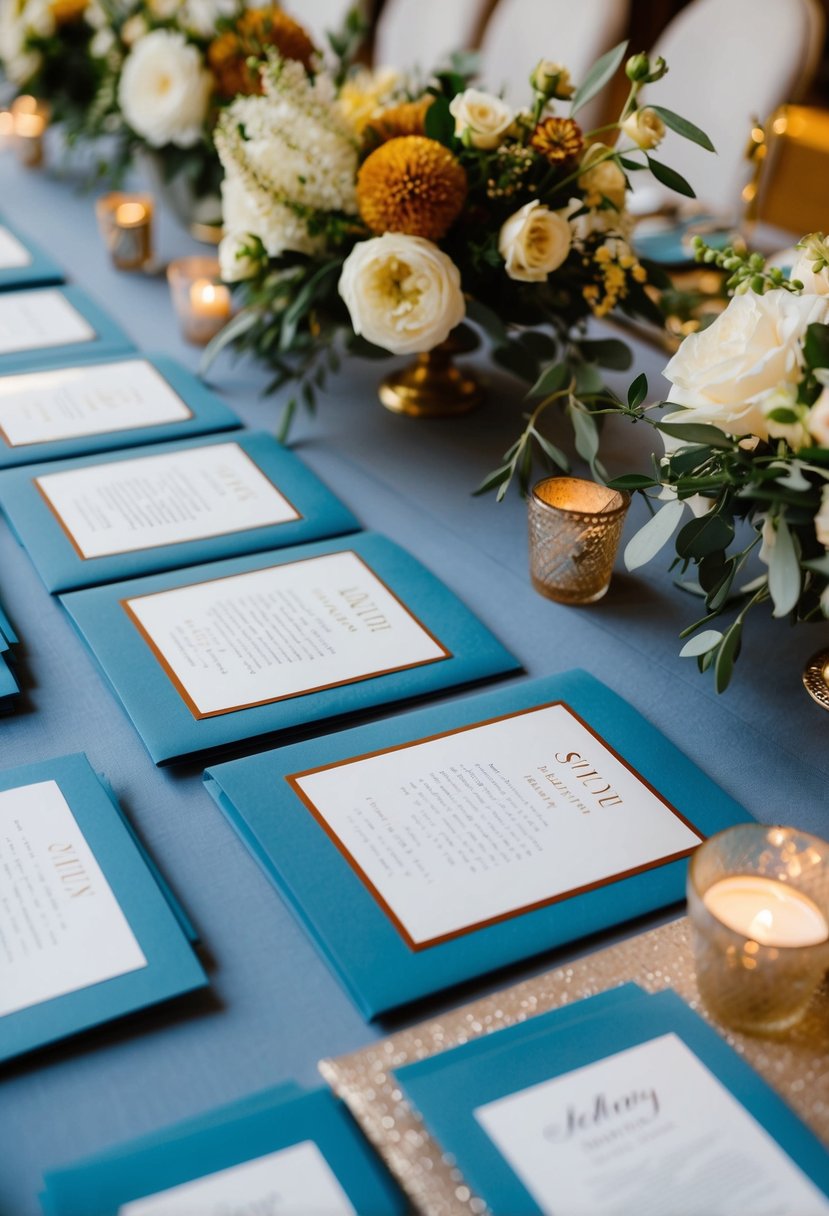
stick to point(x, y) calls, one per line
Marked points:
point(697, 432)
point(488, 320)
point(363, 349)
point(654, 535)
point(816, 345)
point(632, 481)
point(588, 380)
point(238, 325)
point(638, 391)
point(285, 421)
point(493, 479)
point(820, 565)
point(517, 360)
point(670, 178)
point(710, 533)
point(683, 127)
point(542, 346)
point(439, 124)
point(784, 571)
point(726, 656)
point(703, 642)
point(586, 435)
point(551, 380)
point(608, 352)
point(554, 454)
point(598, 76)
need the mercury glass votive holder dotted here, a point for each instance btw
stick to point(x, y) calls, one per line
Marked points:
point(758, 902)
point(575, 528)
point(202, 302)
point(125, 222)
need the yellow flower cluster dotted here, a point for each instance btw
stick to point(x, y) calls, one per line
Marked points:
point(615, 263)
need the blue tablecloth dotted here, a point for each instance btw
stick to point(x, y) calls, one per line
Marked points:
point(275, 1009)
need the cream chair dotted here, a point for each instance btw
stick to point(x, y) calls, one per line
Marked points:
point(420, 34)
point(572, 32)
point(321, 16)
point(731, 62)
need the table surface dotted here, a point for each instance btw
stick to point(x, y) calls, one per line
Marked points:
point(274, 1009)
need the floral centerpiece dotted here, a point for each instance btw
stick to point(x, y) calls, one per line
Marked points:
point(365, 210)
point(746, 454)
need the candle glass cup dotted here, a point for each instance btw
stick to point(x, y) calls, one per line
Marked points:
point(575, 528)
point(126, 226)
point(29, 118)
point(746, 978)
point(202, 302)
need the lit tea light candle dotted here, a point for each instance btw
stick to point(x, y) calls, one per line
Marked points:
point(767, 911)
point(202, 302)
point(126, 223)
point(28, 138)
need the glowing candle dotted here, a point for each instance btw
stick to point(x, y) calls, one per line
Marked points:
point(28, 138)
point(126, 223)
point(766, 911)
point(210, 300)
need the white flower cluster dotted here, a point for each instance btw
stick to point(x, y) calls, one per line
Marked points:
point(289, 156)
point(21, 20)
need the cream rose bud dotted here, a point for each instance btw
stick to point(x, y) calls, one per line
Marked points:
point(814, 282)
point(602, 180)
point(402, 293)
point(822, 519)
point(235, 264)
point(818, 420)
point(480, 118)
point(534, 242)
point(552, 79)
point(644, 127)
point(723, 374)
point(164, 90)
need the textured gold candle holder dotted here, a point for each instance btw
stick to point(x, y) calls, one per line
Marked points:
point(575, 528)
point(28, 121)
point(126, 225)
point(202, 302)
point(758, 902)
point(816, 678)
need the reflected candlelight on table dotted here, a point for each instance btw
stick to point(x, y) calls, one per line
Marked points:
point(125, 222)
point(758, 900)
point(202, 302)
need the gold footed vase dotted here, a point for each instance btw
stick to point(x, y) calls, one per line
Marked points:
point(432, 386)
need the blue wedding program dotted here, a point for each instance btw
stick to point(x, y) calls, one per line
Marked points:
point(22, 262)
point(283, 1152)
point(206, 657)
point(53, 326)
point(434, 847)
point(104, 518)
point(622, 1103)
point(90, 931)
point(88, 407)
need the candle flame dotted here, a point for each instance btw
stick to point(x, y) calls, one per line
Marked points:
point(761, 924)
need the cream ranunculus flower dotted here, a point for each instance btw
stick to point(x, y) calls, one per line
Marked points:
point(818, 420)
point(822, 519)
point(165, 89)
point(534, 242)
point(604, 180)
point(402, 292)
point(644, 127)
point(480, 118)
point(755, 346)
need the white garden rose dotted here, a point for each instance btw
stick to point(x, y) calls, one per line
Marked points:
point(481, 118)
point(818, 421)
point(822, 519)
point(644, 127)
point(402, 293)
point(534, 242)
point(164, 90)
point(721, 375)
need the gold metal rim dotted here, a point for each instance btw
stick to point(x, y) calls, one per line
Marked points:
point(816, 678)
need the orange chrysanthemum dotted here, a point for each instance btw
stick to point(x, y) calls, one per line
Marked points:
point(407, 118)
point(557, 139)
point(255, 33)
point(411, 184)
point(65, 11)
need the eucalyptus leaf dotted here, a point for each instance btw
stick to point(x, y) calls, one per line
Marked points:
point(654, 535)
point(670, 178)
point(632, 481)
point(240, 324)
point(728, 651)
point(586, 434)
point(683, 127)
point(439, 123)
point(702, 643)
point(488, 320)
point(638, 391)
point(598, 76)
point(784, 571)
point(697, 433)
point(551, 380)
point(608, 352)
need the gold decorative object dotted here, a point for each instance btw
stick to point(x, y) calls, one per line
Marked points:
point(575, 528)
point(796, 1066)
point(202, 302)
point(758, 900)
point(432, 387)
point(126, 225)
point(816, 678)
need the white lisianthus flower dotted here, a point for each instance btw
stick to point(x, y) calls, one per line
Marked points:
point(822, 519)
point(818, 420)
point(644, 127)
point(534, 242)
point(402, 293)
point(164, 90)
point(721, 375)
point(480, 118)
point(602, 179)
